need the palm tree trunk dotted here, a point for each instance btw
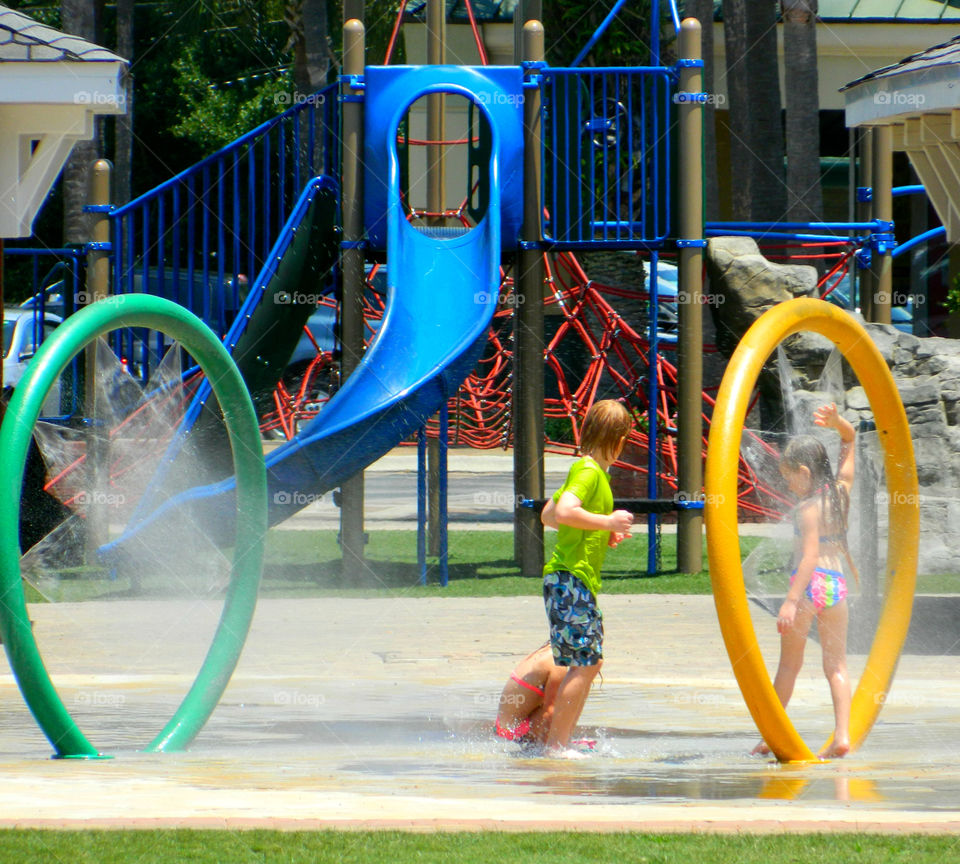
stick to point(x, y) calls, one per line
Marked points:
point(703, 11)
point(309, 35)
point(312, 57)
point(805, 198)
point(123, 131)
point(768, 194)
point(738, 100)
point(316, 38)
point(79, 18)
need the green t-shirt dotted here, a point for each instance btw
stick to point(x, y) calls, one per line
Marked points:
point(578, 551)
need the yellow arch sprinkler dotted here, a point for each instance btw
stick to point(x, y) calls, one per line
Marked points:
point(720, 512)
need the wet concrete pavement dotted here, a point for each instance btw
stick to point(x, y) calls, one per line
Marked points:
point(377, 712)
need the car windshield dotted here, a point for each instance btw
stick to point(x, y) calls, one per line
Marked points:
point(8, 328)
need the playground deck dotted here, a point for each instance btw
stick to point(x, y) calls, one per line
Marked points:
point(376, 713)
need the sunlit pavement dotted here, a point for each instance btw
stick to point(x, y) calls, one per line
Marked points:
point(377, 712)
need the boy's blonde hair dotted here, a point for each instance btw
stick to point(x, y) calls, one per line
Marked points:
point(606, 423)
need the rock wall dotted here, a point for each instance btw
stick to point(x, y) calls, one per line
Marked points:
point(744, 284)
point(927, 375)
point(926, 372)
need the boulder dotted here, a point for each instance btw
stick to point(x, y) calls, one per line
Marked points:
point(744, 285)
point(926, 371)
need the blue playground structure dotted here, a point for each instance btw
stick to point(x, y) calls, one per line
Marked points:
point(414, 364)
point(197, 239)
point(244, 234)
point(251, 238)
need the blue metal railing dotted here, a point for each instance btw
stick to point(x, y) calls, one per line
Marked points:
point(606, 156)
point(912, 189)
point(798, 231)
point(285, 238)
point(937, 233)
point(201, 238)
point(283, 242)
point(56, 278)
point(56, 288)
point(780, 227)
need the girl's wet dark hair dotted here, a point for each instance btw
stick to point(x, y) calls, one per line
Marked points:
point(808, 452)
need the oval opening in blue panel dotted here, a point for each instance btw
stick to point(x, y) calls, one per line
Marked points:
point(465, 152)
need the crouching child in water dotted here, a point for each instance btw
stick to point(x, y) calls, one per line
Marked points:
point(582, 512)
point(528, 698)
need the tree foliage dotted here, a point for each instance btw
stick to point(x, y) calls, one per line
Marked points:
point(569, 24)
point(212, 115)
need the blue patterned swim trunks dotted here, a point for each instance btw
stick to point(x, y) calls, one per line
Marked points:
point(576, 624)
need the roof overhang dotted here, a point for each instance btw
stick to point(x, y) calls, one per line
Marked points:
point(884, 100)
point(922, 108)
point(45, 108)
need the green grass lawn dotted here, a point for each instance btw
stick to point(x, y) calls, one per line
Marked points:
point(376, 847)
point(481, 564)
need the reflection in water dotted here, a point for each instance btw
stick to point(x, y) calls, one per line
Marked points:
point(790, 785)
point(624, 768)
point(369, 743)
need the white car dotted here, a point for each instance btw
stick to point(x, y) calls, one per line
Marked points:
point(21, 338)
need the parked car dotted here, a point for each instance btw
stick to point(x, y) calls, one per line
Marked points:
point(322, 324)
point(901, 317)
point(22, 335)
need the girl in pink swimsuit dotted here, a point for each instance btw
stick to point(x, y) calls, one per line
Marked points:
point(817, 585)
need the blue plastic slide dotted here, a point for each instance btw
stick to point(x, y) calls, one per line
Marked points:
point(442, 289)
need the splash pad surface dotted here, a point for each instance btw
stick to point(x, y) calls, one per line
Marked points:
point(376, 713)
point(720, 512)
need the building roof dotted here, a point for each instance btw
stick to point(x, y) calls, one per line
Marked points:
point(24, 39)
point(945, 54)
point(879, 11)
point(483, 10)
point(887, 10)
point(845, 11)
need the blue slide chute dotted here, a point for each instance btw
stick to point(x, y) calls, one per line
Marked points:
point(442, 291)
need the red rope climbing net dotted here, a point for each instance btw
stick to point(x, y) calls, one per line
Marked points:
point(597, 346)
point(594, 350)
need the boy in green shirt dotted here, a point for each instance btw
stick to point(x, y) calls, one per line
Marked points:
point(582, 512)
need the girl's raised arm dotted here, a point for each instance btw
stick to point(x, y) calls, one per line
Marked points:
point(829, 417)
